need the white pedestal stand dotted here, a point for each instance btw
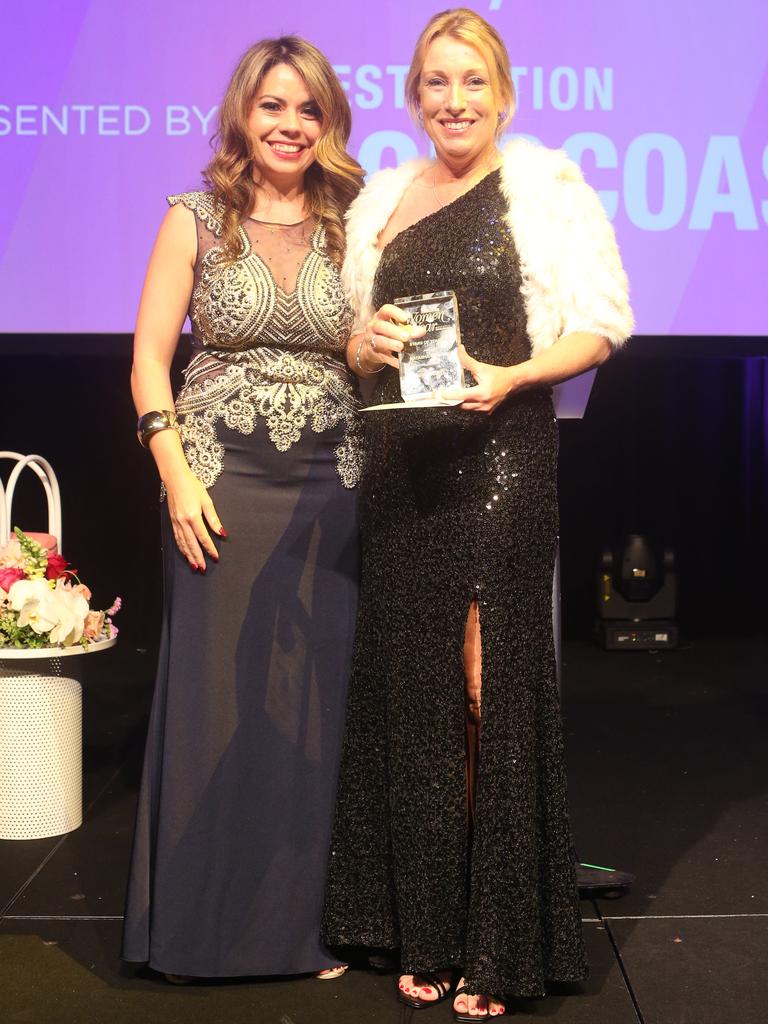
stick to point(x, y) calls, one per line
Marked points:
point(41, 750)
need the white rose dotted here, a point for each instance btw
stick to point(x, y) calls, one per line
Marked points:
point(11, 556)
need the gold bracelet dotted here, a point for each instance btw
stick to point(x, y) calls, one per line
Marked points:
point(153, 422)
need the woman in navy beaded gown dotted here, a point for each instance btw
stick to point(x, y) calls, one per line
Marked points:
point(260, 447)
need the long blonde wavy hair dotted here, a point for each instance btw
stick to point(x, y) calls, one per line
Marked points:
point(331, 182)
point(468, 26)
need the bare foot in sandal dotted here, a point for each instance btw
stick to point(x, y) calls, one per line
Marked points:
point(466, 1007)
point(331, 973)
point(419, 989)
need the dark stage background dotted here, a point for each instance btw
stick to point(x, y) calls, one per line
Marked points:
point(674, 444)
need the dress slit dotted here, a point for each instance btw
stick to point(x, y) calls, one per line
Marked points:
point(473, 659)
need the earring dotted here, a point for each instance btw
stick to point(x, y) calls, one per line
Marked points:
point(420, 117)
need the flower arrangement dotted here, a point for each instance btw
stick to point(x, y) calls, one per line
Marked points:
point(42, 601)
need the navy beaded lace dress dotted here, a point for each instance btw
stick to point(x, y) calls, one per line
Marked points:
point(236, 804)
point(458, 507)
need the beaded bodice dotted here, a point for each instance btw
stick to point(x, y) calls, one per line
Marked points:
point(239, 304)
point(269, 334)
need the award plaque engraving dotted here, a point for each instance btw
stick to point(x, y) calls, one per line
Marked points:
point(430, 364)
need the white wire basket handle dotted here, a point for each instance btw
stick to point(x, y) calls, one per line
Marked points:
point(44, 472)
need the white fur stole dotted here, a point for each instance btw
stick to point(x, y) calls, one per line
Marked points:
point(573, 279)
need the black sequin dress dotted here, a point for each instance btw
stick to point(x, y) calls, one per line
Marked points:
point(458, 506)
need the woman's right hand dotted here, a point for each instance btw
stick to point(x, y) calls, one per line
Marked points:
point(164, 303)
point(190, 507)
point(388, 332)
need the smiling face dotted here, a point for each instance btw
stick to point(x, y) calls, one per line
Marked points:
point(457, 103)
point(284, 124)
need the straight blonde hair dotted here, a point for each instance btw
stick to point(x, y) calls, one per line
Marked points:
point(331, 182)
point(471, 28)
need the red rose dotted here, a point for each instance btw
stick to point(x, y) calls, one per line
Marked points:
point(57, 564)
point(9, 576)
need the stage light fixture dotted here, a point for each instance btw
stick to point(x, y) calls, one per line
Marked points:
point(637, 596)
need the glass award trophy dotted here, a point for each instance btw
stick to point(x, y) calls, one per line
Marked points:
point(429, 364)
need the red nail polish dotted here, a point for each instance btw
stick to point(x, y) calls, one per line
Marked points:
point(223, 532)
point(203, 569)
point(194, 567)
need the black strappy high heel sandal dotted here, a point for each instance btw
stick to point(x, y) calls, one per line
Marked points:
point(443, 989)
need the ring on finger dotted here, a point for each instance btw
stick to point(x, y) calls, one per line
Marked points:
point(373, 342)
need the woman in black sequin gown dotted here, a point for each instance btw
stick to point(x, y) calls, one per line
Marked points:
point(451, 837)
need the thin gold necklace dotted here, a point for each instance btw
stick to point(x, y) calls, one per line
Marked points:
point(274, 226)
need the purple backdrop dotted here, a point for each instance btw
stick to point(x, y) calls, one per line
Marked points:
point(104, 109)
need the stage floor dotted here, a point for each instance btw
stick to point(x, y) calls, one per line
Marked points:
point(668, 758)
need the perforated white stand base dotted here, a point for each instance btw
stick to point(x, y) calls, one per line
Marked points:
point(41, 764)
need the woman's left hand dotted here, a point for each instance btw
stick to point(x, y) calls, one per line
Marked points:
point(494, 384)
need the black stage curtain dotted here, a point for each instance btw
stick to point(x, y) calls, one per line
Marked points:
point(674, 445)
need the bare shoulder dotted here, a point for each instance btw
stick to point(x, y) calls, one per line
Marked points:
point(177, 236)
point(179, 218)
